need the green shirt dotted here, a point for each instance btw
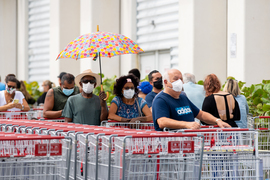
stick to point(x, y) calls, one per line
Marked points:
point(60, 98)
point(83, 110)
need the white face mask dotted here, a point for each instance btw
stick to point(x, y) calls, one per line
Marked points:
point(177, 85)
point(88, 88)
point(41, 89)
point(128, 94)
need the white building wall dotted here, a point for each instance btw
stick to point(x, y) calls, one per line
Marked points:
point(64, 27)
point(8, 38)
point(105, 14)
point(202, 38)
point(250, 21)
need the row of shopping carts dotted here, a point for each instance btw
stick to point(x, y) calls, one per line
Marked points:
point(110, 152)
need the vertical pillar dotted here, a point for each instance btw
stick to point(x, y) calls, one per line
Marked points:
point(128, 28)
point(249, 21)
point(64, 27)
point(22, 41)
point(8, 37)
point(202, 37)
point(105, 14)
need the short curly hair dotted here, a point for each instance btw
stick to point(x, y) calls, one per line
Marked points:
point(120, 83)
point(211, 84)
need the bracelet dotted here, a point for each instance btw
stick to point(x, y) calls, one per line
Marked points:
point(22, 107)
point(217, 120)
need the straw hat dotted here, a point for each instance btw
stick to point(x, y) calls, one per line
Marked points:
point(87, 72)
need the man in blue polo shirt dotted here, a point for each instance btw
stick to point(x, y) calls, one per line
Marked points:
point(173, 110)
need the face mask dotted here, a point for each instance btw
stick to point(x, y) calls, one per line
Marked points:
point(10, 90)
point(128, 94)
point(88, 88)
point(158, 84)
point(177, 85)
point(68, 92)
point(41, 89)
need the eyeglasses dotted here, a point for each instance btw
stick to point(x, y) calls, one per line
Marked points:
point(92, 81)
point(127, 88)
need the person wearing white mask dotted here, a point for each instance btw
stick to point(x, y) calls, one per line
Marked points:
point(126, 106)
point(86, 108)
point(174, 110)
point(12, 100)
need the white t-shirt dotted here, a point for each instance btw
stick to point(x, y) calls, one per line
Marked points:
point(18, 95)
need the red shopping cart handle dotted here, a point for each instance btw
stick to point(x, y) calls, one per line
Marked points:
point(128, 122)
point(213, 126)
point(37, 109)
point(50, 118)
point(264, 116)
point(12, 111)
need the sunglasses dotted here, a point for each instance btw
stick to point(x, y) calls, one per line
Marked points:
point(127, 88)
point(92, 81)
point(11, 87)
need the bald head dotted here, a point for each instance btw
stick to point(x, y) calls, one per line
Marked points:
point(173, 75)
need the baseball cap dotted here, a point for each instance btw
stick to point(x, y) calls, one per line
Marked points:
point(145, 87)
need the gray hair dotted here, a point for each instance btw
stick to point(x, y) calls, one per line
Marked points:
point(188, 77)
point(166, 76)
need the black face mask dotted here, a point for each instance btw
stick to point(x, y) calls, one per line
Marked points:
point(158, 84)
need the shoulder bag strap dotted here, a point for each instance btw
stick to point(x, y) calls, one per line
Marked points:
point(139, 108)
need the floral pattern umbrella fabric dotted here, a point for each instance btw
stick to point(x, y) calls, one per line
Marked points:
point(104, 44)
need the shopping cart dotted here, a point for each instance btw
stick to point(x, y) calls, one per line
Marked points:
point(34, 157)
point(52, 119)
point(262, 125)
point(162, 156)
point(230, 154)
point(18, 115)
point(134, 125)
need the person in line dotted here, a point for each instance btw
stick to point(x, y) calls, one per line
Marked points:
point(21, 87)
point(174, 110)
point(232, 87)
point(2, 85)
point(46, 85)
point(219, 103)
point(136, 73)
point(56, 98)
point(60, 77)
point(86, 108)
point(126, 106)
point(10, 99)
point(155, 79)
point(194, 92)
point(145, 87)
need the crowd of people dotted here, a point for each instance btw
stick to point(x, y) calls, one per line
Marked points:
point(172, 100)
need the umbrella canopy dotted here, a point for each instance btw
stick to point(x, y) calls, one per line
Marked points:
point(104, 44)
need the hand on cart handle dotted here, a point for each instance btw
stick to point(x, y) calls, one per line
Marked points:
point(140, 119)
point(125, 119)
point(222, 124)
point(192, 125)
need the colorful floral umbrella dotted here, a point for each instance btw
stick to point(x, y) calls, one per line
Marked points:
point(104, 43)
point(99, 44)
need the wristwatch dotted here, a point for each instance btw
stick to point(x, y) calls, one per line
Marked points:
point(22, 107)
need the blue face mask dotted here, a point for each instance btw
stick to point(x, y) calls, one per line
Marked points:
point(68, 92)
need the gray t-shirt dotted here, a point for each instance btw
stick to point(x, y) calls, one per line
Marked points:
point(82, 110)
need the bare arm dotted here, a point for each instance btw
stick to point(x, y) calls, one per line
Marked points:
point(112, 113)
point(210, 119)
point(174, 124)
point(104, 111)
point(7, 106)
point(48, 106)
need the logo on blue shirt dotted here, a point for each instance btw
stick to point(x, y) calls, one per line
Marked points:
point(183, 110)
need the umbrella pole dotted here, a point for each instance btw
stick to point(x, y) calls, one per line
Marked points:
point(100, 71)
